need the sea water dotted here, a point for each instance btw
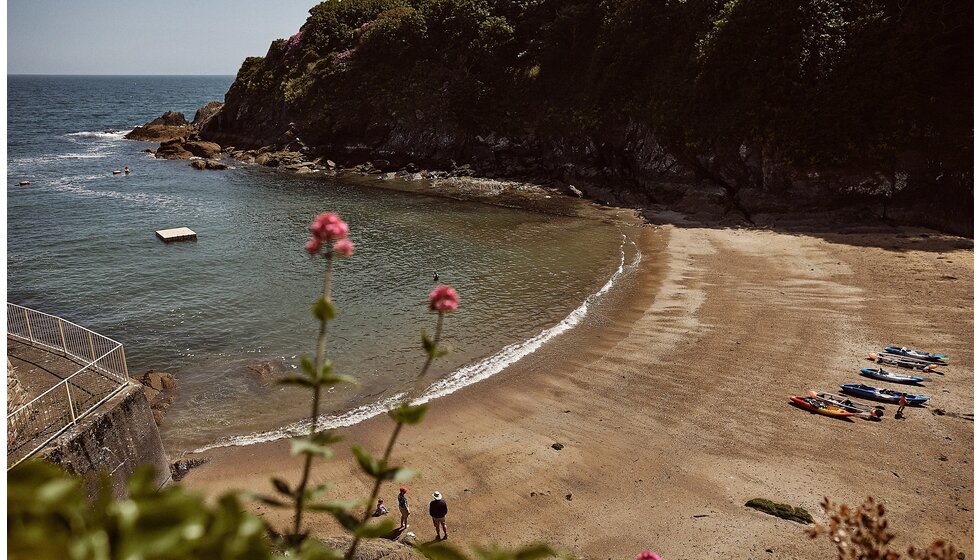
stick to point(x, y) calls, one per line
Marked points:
point(216, 311)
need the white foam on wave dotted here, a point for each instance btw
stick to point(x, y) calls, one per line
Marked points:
point(348, 418)
point(107, 134)
point(38, 160)
point(460, 378)
point(65, 185)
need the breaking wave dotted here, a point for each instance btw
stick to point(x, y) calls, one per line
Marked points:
point(462, 377)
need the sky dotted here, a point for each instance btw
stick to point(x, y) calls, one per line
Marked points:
point(145, 37)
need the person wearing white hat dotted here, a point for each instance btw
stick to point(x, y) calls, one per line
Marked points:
point(438, 510)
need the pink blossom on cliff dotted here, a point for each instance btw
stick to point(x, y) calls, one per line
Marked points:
point(443, 299)
point(345, 56)
point(344, 247)
point(295, 40)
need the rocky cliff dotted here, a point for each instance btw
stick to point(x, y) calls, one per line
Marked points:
point(738, 108)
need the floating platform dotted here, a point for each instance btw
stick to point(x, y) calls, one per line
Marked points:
point(176, 234)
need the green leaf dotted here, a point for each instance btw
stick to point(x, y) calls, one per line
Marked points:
point(336, 505)
point(313, 549)
point(428, 344)
point(295, 380)
point(324, 310)
point(307, 365)
point(398, 474)
point(408, 414)
point(269, 501)
point(442, 551)
point(314, 493)
point(534, 552)
point(346, 520)
point(304, 446)
point(374, 531)
point(282, 486)
point(369, 464)
point(327, 437)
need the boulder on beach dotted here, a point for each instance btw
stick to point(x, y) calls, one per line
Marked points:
point(267, 372)
point(173, 149)
point(208, 164)
point(200, 148)
point(160, 389)
point(166, 127)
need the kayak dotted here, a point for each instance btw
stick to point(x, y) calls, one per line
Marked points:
point(861, 409)
point(818, 406)
point(903, 361)
point(917, 354)
point(881, 394)
point(886, 375)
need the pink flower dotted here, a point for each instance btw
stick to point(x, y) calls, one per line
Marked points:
point(647, 555)
point(329, 227)
point(344, 247)
point(443, 299)
point(313, 245)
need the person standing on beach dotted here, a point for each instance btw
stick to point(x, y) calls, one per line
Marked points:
point(438, 510)
point(902, 401)
point(403, 507)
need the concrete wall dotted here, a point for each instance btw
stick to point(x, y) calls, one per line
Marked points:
point(115, 438)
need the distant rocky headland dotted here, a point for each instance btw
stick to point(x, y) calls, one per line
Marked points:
point(739, 114)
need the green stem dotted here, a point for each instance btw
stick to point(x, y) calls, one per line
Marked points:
point(435, 344)
point(321, 351)
point(391, 445)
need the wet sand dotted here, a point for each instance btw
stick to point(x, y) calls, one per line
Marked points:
point(671, 401)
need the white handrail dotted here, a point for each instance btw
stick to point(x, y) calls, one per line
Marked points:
point(109, 366)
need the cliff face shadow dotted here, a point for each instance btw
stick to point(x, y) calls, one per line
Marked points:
point(844, 227)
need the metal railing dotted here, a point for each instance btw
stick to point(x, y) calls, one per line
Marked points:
point(102, 374)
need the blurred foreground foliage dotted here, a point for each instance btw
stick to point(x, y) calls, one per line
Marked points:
point(862, 533)
point(50, 516)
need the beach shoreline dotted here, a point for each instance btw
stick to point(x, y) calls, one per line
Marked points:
point(671, 403)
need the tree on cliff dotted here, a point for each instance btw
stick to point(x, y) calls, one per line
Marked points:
point(879, 90)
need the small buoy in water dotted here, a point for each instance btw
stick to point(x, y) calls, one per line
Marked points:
point(116, 172)
point(126, 170)
point(24, 183)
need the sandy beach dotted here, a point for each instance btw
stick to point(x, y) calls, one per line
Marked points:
point(672, 403)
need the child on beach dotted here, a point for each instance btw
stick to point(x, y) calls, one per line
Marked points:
point(902, 401)
point(382, 510)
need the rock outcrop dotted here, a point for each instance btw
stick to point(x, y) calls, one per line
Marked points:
point(167, 127)
point(401, 547)
point(160, 389)
point(206, 113)
point(208, 164)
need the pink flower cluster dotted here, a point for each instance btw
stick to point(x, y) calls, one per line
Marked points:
point(345, 55)
point(443, 299)
point(647, 555)
point(295, 40)
point(329, 227)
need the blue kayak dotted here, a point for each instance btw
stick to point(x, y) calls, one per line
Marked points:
point(881, 394)
point(917, 354)
point(886, 375)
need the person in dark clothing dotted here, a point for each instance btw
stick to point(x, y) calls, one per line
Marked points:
point(438, 510)
point(403, 507)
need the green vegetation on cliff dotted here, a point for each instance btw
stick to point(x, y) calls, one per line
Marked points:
point(878, 88)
